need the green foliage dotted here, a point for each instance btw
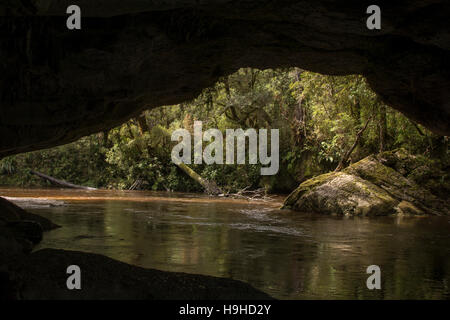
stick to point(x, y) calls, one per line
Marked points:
point(7, 166)
point(318, 117)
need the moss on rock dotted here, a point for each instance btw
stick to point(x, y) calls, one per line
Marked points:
point(380, 184)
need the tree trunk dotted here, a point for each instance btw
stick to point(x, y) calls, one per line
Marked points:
point(382, 126)
point(344, 159)
point(105, 135)
point(300, 113)
point(60, 183)
point(209, 186)
point(141, 121)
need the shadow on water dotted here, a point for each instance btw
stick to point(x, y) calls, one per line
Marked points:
point(287, 254)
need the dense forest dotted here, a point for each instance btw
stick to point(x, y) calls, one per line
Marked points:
point(325, 122)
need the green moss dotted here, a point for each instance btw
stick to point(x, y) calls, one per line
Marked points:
point(306, 186)
point(375, 188)
point(407, 208)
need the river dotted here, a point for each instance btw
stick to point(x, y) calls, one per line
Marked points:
point(286, 254)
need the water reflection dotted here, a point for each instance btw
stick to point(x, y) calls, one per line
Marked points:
point(286, 254)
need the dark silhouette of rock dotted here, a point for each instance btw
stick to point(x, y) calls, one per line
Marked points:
point(11, 212)
point(19, 231)
point(105, 278)
point(57, 85)
point(30, 230)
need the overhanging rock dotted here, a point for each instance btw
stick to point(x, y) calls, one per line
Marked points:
point(58, 85)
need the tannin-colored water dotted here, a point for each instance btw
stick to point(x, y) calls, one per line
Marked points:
point(287, 254)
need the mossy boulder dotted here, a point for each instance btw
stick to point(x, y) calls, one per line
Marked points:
point(382, 184)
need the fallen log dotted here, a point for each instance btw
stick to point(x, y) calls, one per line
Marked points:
point(250, 195)
point(60, 183)
point(210, 187)
point(137, 184)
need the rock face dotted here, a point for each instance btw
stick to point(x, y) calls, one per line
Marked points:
point(13, 213)
point(57, 85)
point(389, 183)
point(105, 278)
point(19, 232)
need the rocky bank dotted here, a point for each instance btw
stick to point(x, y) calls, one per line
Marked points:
point(389, 183)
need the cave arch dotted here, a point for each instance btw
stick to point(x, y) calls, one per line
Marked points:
point(58, 85)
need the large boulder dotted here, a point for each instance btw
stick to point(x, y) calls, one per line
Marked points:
point(105, 278)
point(341, 193)
point(11, 212)
point(383, 184)
point(19, 232)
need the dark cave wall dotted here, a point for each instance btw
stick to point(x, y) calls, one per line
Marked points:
point(58, 85)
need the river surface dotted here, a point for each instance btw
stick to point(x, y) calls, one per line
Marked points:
point(286, 254)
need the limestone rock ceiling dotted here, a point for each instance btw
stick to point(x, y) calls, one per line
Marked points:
point(58, 85)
